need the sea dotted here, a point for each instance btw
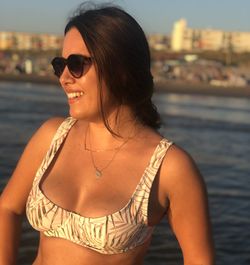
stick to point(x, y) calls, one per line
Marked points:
point(214, 130)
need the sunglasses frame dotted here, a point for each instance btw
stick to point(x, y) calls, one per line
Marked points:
point(59, 64)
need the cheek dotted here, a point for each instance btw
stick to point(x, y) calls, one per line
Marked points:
point(89, 85)
point(88, 107)
point(92, 94)
point(95, 93)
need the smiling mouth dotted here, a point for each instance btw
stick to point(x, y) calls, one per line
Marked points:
point(74, 95)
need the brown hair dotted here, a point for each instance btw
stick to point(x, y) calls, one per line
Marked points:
point(121, 53)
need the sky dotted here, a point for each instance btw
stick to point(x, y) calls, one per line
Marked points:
point(155, 16)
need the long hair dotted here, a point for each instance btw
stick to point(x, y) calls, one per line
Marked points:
point(121, 53)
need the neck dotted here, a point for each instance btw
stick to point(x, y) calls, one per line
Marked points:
point(124, 125)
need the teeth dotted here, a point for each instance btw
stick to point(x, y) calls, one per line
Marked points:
point(74, 94)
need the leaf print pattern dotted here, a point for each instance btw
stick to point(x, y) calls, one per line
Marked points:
point(111, 234)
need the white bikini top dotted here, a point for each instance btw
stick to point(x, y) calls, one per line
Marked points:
point(118, 232)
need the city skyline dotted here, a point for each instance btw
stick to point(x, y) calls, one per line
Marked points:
point(227, 15)
point(183, 38)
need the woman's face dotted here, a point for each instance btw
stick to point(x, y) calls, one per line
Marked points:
point(85, 103)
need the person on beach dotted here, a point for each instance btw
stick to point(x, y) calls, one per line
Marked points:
point(96, 183)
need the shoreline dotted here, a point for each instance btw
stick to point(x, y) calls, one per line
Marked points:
point(160, 86)
point(29, 78)
point(202, 89)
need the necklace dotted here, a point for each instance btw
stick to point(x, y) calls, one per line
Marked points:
point(99, 171)
point(100, 150)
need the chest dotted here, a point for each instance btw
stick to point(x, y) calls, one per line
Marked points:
point(70, 182)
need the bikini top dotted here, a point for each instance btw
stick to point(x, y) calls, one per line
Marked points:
point(118, 232)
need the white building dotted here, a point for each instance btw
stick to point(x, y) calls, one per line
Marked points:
point(240, 41)
point(29, 41)
point(188, 39)
point(178, 35)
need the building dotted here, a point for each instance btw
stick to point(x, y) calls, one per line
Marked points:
point(188, 39)
point(158, 42)
point(239, 41)
point(5, 40)
point(29, 41)
point(181, 36)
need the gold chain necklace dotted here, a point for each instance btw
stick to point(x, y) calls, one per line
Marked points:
point(100, 150)
point(99, 171)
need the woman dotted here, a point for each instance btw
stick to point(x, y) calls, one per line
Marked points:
point(96, 184)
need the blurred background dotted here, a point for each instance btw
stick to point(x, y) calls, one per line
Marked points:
point(201, 66)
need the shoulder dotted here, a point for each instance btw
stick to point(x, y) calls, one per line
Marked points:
point(179, 173)
point(48, 129)
point(42, 138)
point(16, 191)
point(186, 205)
point(50, 126)
point(177, 159)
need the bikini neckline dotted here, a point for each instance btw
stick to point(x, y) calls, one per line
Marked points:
point(111, 214)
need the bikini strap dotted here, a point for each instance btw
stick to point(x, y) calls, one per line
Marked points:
point(56, 142)
point(142, 193)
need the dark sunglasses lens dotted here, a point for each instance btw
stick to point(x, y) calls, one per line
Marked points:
point(58, 65)
point(76, 65)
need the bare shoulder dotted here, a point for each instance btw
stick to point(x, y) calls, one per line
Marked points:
point(49, 127)
point(16, 191)
point(179, 172)
point(41, 139)
point(184, 190)
point(177, 156)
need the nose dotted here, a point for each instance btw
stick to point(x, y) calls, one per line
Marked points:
point(66, 77)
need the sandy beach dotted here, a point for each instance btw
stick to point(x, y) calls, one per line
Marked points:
point(160, 86)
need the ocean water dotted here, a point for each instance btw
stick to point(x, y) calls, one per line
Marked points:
point(214, 130)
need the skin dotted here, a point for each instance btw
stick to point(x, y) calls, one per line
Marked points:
point(178, 191)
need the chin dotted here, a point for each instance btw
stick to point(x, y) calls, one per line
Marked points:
point(77, 115)
point(89, 117)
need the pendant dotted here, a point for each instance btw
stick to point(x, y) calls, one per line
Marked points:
point(98, 173)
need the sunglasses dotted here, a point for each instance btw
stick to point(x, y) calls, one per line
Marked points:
point(76, 63)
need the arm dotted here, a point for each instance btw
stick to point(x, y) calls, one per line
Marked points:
point(13, 199)
point(10, 224)
point(188, 214)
